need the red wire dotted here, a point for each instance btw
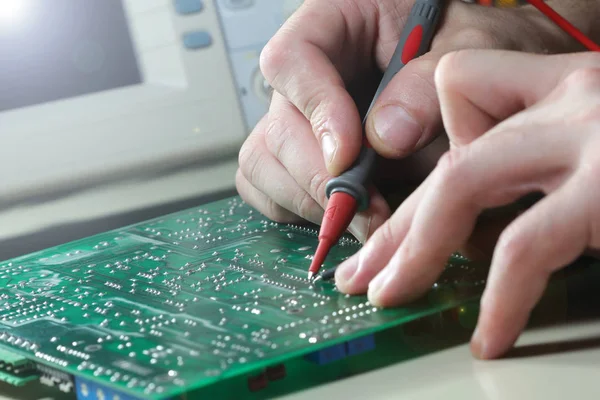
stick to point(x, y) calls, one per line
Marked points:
point(564, 24)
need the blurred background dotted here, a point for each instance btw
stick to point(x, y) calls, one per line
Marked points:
point(115, 111)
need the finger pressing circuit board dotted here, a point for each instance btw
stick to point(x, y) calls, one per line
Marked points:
point(158, 309)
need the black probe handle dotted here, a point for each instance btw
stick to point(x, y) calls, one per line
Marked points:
point(414, 41)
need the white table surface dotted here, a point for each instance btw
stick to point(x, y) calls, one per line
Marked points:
point(565, 364)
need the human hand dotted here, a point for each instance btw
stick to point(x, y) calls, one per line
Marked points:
point(313, 128)
point(517, 124)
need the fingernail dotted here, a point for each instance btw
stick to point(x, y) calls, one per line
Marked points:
point(329, 146)
point(477, 345)
point(397, 128)
point(359, 227)
point(376, 285)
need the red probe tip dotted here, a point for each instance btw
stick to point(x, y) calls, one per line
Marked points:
point(338, 215)
point(320, 255)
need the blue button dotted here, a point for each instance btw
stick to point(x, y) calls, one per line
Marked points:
point(188, 6)
point(238, 4)
point(197, 40)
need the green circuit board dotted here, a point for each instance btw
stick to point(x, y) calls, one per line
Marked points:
point(160, 308)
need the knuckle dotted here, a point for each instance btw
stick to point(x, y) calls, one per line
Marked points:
point(513, 247)
point(453, 167)
point(303, 204)
point(277, 134)
point(311, 106)
point(270, 58)
point(316, 187)
point(585, 81)
point(386, 233)
point(584, 78)
point(245, 155)
point(249, 160)
point(274, 57)
point(445, 70)
point(314, 107)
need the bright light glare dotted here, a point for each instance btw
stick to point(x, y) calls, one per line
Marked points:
point(13, 11)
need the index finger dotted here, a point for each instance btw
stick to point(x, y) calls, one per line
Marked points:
point(466, 182)
point(479, 88)
point(300, 63)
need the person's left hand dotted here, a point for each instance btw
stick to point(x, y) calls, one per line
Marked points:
point(518, 123)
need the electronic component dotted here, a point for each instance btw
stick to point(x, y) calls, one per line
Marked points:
point(360, 345)
point(88, 390)
point(328, 355)
point(9, 358)
point(340, 351)
point(16, 380)
point(276, 372)
point(16, 369)
point(261, 380)
point(258, 382)
point(55, 378)
point(184, 301)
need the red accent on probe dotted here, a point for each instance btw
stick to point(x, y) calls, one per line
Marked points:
point(342, 207)
point(348, 193)
point(338, 215)
point(412, 44)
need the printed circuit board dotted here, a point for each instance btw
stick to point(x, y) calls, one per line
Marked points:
point(164, 307)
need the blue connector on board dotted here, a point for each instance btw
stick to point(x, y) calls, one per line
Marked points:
point(88, 390)
point(343, 350)
point(360, 345)
point(328, 355)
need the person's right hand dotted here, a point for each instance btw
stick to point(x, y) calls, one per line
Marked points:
point(313, 129)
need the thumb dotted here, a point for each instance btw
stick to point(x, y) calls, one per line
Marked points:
point(406, 117)
point(479, 88)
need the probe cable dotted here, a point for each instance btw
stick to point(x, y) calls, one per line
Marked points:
point(564, 24)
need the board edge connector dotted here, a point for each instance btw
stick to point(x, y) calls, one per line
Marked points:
point(55, 378)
